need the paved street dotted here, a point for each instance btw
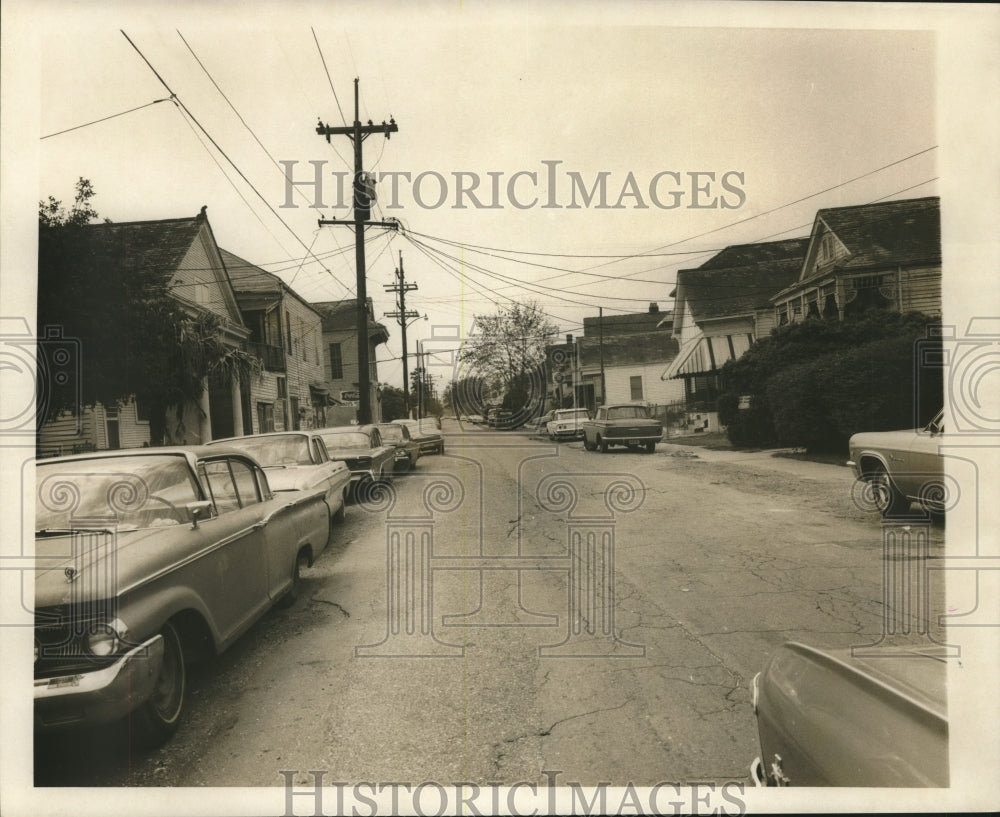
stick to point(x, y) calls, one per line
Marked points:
point(596, 615)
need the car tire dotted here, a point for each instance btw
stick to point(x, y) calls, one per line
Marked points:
point(602, 445)
point(650, 447)
point(292, 594)
point(587, 445)
point(340, 514)
point(158, 718)
point(888, 500)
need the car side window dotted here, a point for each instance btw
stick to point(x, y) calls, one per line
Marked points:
point(319, 451)
point(246, 482)
point(221, 485)
point(376, 438)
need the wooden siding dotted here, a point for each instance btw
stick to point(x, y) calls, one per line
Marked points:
point(921, 290)
point(617, 379)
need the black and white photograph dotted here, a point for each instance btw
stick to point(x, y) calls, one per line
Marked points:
point(466, 408)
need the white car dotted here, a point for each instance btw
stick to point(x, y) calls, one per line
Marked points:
point(297, 461)
point(567, 424)
point(903, 467)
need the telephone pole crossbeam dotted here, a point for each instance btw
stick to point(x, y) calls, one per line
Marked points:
point(363, 195)
point(402, 314)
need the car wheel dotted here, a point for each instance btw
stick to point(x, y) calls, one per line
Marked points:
point(888, 500)
point(602, 444)
point(292, 594)
point(341, 513)
point(157, 719)
point(587, 445)
point(650, 447)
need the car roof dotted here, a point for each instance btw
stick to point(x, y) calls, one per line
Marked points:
point(187, 451)
point(265, 435)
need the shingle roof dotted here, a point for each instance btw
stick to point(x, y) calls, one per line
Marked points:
point(741, 278)
point(633, 349)
point(159, 245)
point(248, 278)
point(892, 232)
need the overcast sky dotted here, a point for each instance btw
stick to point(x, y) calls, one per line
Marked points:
point(779, 115)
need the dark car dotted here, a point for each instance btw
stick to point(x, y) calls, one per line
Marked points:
point(407, 449)
point(427, 434)
point(361, 448)
point(839, 719)
point(626, 424)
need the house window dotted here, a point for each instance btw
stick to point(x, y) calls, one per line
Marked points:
point(782, 314)
point(635, 387)
point(282, 387)
point(141, 411)
point(336, 363)
point(265, 417)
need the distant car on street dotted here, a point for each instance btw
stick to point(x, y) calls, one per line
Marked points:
point(147, 560)
point(839, 719)
point(903, 467)
point(427, 434)
point(295, 461)
point(567, 424)
point(627, 424)
point(361, 448)
point(407, 449)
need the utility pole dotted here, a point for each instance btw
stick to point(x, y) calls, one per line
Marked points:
point(402, 315)
point(363, 195)
point(600, 312)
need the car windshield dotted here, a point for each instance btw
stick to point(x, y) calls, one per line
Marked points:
point(393, 434)
point(129, 492)
point(347, 439)
point(273, 452)
point(628, 413)
point(575, 414)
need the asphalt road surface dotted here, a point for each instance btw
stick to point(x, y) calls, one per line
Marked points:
point(518, 606)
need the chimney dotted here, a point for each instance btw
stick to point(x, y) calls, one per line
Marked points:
point(654, 308)
point(203, 215)
point(569, 339)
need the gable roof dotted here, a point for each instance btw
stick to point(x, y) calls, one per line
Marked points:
point(740, 278)
point(249, 279)
point(889, 233)
point(161, 246)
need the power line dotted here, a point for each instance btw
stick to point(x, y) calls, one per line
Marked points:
point(224, 154)
point(106, 118)
point(328, 79)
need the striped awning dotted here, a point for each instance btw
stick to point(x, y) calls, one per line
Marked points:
point(704, 355)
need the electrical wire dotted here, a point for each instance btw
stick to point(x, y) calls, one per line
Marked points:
point(106, 118)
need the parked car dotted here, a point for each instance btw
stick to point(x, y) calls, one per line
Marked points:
point(361, 448)
point(500, 419)
point(837, 719)
point(407, 449)
point(902, 467)
point(296, 461)
point(567, 424)
point(147, 560)
point(627, 424)
point(428, 437)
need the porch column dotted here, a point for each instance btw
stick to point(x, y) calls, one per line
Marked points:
point(205, 418)
point(237, 408)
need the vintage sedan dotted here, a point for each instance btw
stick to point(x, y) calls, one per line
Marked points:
point(842, 718)
point(627, 424)
point(426, 433)
point(297, 461)
point(567, 424)
point(407, 449)
point(146, 560)
point(903, 467)
point(370, 461)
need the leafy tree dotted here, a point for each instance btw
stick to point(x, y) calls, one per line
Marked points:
point(506, 351)
point(136, 340)
point(393, 404)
